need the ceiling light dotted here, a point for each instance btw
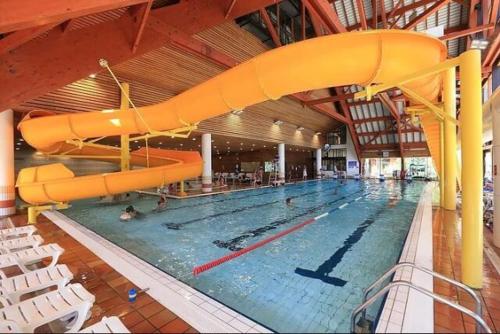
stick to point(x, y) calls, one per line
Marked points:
point(253, 144)
point(161, 143)
point(194, 138)
point(181, 144)
point(17, 148)
point(317, 133)
point(93, 75)
point(227, 142)
point(264, 145)
point(480, 44)
point(278, 122)
point(300, 128)
point(215, 146)
point(241, 143)
point(237, 112)
point(20, 139)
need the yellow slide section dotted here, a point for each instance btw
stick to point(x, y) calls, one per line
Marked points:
point(359, 58)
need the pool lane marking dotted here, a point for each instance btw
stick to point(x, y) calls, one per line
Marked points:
point(333, 261)
point(233, 244)
point(343, 205)
point(214, 263)
point(357, 199)
point(177, 226)
point(245, 196)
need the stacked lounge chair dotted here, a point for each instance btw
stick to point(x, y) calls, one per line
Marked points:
point(49, 294)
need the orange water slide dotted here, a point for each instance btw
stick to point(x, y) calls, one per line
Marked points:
point(361, 58)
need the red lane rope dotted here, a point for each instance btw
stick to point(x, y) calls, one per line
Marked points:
point(209, 265)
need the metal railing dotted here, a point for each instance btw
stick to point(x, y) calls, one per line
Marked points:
point(477, 315)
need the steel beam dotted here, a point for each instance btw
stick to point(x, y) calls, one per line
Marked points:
point(426, 13)
point(467, 32)
point(270, 27)
point(327, 14)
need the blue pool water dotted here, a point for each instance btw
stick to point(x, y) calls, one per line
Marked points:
point(307, 281)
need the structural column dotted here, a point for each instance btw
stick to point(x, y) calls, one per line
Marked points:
point(450, 141)
point(281, 155)
point(124, 139)
point(318, 163)
point(472, 167)
point(7, 190)
point(206, 153)
point(495, 112)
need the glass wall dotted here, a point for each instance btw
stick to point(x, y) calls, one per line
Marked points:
point(421, 167)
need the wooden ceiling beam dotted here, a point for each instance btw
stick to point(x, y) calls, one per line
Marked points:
point(386, 100)
point(361, 12)
point(330, 99)
point(31, 71)
point(397, 12)
point(426, 13)
point(140, 15)
point(327, 14)
point(467, 32)
point(15, 16)
point(18, 38)
point(270, 26)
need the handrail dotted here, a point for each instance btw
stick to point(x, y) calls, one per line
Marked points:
point(440, 299)
point(479, 308)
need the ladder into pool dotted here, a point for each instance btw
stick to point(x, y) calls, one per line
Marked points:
point(363, 326)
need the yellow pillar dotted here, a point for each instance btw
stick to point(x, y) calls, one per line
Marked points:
point(124, 139)
point(441, 164)
point(450, 141)
point(472, 168)
point(182, 193)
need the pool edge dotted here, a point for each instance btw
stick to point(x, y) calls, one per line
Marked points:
point(404, 310)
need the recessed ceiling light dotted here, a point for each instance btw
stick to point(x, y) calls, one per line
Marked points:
point(300, 128)
point(136, 141)
point(317, 133)
point(181, 144)
point(241, 143)
point(93, 75)
point(20, 139)
point(253, 144)
point(213, 140)
point(18, 144)
point(194, 138)
point(215, 146)
point(237, 112)
point(161, 143)
point(278, 122)
point(227, 142)
point(17, 148)
point(264, 145)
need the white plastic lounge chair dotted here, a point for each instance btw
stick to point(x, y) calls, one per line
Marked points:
point(26, 316)
point(6, 223)
point(13, 288)
point(30, 256)
point(12, 245)
point(107, 325)
point(17, 232)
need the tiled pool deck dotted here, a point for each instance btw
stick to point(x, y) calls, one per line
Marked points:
point(447, 253)
point(110, 288)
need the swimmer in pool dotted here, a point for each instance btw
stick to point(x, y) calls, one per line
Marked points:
point(162, 203)
point(130, 212)
point(289, 201)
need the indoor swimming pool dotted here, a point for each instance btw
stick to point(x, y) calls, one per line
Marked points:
point(307, 281)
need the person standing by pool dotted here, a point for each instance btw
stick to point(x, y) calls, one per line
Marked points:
point(304, 174)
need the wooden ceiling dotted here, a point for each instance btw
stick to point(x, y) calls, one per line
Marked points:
point(168, 71)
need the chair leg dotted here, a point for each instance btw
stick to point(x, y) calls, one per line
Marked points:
point(81, 316)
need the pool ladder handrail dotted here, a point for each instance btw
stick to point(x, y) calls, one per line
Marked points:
point(477, 316)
